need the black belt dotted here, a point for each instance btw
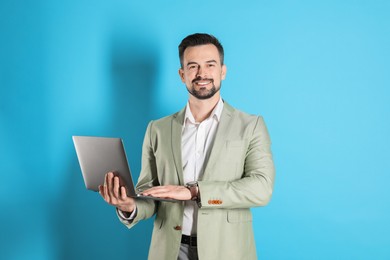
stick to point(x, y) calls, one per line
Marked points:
point(189, 240)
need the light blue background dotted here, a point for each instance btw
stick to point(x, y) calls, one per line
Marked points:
point(318, 71)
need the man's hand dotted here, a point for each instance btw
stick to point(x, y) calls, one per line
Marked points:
point(115, 195)
point(169, 192)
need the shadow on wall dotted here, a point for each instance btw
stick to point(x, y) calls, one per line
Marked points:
point(89, 227)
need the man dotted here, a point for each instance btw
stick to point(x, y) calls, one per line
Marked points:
point(211, 157)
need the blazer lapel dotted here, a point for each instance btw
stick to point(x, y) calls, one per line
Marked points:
point(220, 137)
point(177, 127)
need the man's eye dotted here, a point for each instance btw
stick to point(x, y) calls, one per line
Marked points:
point(192, 67)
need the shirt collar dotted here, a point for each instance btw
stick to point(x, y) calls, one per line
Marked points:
point(216, 113)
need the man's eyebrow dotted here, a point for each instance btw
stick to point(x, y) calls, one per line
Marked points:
point(191, 63)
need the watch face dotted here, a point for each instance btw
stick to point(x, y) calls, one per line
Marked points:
point(192, 183)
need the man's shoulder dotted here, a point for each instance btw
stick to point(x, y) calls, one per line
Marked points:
point(239, 114)
point(164, 120)
point(167, 120)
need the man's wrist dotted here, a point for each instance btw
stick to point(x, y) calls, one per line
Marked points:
point(194, 190)
point(128, 210)
point(127, 215)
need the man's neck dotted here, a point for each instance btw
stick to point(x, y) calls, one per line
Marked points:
point(202, 108)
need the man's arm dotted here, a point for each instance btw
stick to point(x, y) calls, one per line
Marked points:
point(256, 185)
point(115, 195)
point(148, 177)
point(253, 189)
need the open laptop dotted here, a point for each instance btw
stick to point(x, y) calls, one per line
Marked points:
point(100, 155)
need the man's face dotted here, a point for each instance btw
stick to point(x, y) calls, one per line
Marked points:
point(202, 71)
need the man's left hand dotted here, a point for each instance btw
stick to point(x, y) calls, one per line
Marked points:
point(169, 192)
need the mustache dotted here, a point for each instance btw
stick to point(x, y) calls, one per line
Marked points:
point(200, 78)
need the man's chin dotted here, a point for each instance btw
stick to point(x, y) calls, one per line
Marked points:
point(203, 93)
point(204, 96)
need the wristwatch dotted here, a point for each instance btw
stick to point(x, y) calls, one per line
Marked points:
point(193, 187)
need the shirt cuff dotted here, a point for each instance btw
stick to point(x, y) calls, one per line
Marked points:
point(131, 217)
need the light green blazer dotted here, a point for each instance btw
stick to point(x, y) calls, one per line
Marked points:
point(239, 174)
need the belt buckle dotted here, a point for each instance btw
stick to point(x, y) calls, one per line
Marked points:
point(193, 241)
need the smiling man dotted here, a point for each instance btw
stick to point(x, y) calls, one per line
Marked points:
point(214, 160)
point(203, 66)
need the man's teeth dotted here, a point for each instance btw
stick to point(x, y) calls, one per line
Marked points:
point(203, 83)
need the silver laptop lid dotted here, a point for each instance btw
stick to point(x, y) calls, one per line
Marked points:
point(100, 155)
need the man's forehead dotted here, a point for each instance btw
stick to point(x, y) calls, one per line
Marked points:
point(204, 52)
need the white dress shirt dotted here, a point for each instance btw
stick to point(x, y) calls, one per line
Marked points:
point(196, 142)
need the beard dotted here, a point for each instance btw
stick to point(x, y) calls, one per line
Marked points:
point(203, 92)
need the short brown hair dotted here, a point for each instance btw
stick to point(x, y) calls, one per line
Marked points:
point(199, 39)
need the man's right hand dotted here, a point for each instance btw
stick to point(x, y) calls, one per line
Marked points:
point(115, 195)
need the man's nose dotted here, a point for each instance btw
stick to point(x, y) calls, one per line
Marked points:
point(201, 72)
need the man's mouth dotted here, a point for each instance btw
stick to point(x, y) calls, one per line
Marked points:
point(202, 82)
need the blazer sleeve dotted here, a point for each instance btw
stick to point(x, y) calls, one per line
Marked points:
point(255, 186)
point(148, 177)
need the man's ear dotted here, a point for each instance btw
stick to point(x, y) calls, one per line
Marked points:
point(223, 73)
point(181, 74)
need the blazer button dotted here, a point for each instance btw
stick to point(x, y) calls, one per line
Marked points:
point(177, 228)
point(215, 202)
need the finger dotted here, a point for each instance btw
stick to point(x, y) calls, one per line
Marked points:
point(105, 192)
point(116, 187)
point(123, 193)
point(160, 193)
point(110, 185)
point(154, 189)
point(106, 178)
point(171, 191)
point(101, 190)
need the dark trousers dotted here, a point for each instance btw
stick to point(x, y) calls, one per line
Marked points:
point(188, 252)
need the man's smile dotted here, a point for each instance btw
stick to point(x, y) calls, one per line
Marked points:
point(202, 82)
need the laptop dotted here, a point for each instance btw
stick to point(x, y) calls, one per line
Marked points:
point(99, 155)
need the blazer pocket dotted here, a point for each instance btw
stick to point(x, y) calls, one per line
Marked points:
point(235, 150)
point(239, 215)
